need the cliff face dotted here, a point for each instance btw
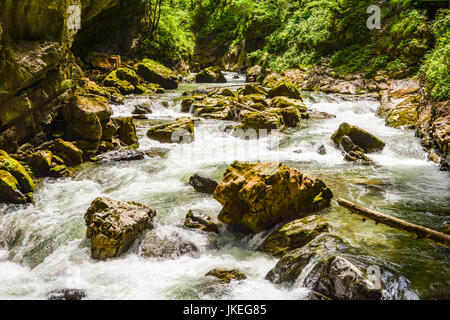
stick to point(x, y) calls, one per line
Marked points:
point(36, 57)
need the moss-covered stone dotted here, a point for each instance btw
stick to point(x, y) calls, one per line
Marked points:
point(210, 75)
point(154, 72)
point(123, 85)
point(9, 189)
point(290, 115)
point(213, 108)
point(199, 220)
point(295, 234)
point(284, 102)
point(365, 140)
point(256, 197)
point(181, 129)
point(126, 131)
point(252, 89)
point(262, 120)
point(285, 89)
point(226, 276)
point(186, 104)
point(25, 182)
point(40, 162)
point(67, 151)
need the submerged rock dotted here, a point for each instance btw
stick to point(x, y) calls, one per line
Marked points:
point(157, 152)
point(295, 234)
point(169, 247)
point(365, 140)
point(154, 72)
point(180, 130)
point(210, 75)
point(199, 220)
point(67, 294)
point(255, 197)
point(226, 276)
point(113, 226)
point(290, 115)
point(203, 184)
point(119, 155)
point(143, 108)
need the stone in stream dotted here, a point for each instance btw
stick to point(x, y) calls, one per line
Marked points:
point(262, 120)
point(199, 220)
point(119, 155)
point(203, 184)
point(67, 151)
point(295, 234)
point(256, 197)
point(126, 131)
point(67, 294)
point(226, 276)
point(285, 89)
point(9, 189)
point(255, 74)
point(113, 226)
point(213, 108)
point(210, 75)
point(358, 157)
point(321, 149)
point(368, 142)
point(16, 185)
point(169, 246)
point(154, 72)
point(252, 89)
point(157, 152)
point(143, 108)
point(174, 131)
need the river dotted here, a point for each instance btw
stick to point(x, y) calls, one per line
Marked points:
point(46, 247)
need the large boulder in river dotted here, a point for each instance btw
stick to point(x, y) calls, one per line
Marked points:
point(367, 141)
point(180, 130)
point(199, 220)
point(255, 197)
point(285, 89)
point(295, 234)
point(154, 72)
point(203, 184)
point(113, 226)
point(210, 75)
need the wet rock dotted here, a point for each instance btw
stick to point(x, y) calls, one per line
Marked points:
point(255, 197)
point(186, 104)
point(346, 144)
point(9, 189)
point(120, 155)
point(213, 108)
point(143, 108)
point(319, 115)
point(168, 247)
point(365, 140)
point(126, 131)
point(109, 129)
point(291, 265)
point(285, 89)
point(225, 92)
point(40, 162)
point(295, 234)
point(226, 276)
point(125, 80)
point(154, 72)
point(199, 220)
point(67, 294)
point(203, 184)
point(358, 157)
point(262, 120)
point(284, 102)
point(157, 152)
point(88, 148)
point(12, 166)
point(255, 74)
point(321, 149)
point(113, 226)
point(67, 151)
point(181, 130)
point(290, 115)
point(210, 75)
point(252, 89)
point(337, 278)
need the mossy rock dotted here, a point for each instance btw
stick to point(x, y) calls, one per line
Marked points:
point(124, 86)
point(9, 189)
point(262, 120)
point(285, 89)
point(171, 132)
point(290, 115)
point(59, 171)
point(186, 104)
point(25, 182)
point(210, 75)
point(154, 72)
point(295, 234)
point(213, 108)
point(252, 89)
point(225, 92)
point(284, 102)
point(402, 117)
point(40, 162)
point(254, 98)
point(126, 131)
point(367, 141)
point(226, 276)
point(67, 151)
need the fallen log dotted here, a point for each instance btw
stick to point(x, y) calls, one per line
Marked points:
point(419, 232)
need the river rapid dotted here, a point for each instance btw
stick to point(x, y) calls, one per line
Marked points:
point(45, 247)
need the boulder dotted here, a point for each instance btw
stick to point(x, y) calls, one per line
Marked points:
point(255, 74)
point(142, 108)
point(226, 276)
point(252, 89)
point(109, 129)
point(168, 247)
point(262, 120)
point(9, 189)
point(291, 265)
point(290, 115)
point(154, 72)
point(123, 79)
point(224, 92)
point(365, 140)
point(186, 104)
point(210, 75)
point(213, 108)
point(284, 102)
point(119, 155)
point(358, 157)
point(67, 151)
point(182, 128)
point(67, 294)
point(285, 89)
point(126, 131)
point(203, 184)
point(113, 226)
point(24, 183)
point(40, 162)
point(199, 220)
point(295, 234)
point(256, 197)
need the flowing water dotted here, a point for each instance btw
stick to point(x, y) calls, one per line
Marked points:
point(45, 247)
